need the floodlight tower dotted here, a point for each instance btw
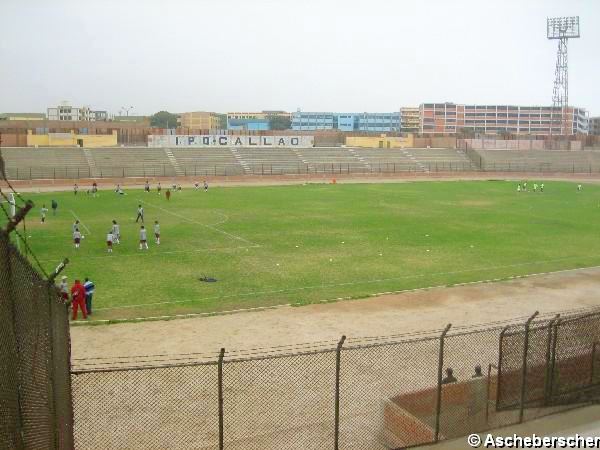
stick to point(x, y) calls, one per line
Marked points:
point(562, 29)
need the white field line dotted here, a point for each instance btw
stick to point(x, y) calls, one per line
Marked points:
point(82, 224)
point(381, 280)
point(149, 253)
point(284, 305)
point(210, 227)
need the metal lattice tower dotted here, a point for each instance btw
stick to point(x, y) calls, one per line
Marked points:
point(562, 29)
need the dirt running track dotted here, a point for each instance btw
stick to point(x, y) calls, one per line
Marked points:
point(389, 314)
point(286, 403)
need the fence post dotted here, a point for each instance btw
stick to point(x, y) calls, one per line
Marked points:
point(220, 382)
point(549, 349)
point(438, 406)
point(524, 369)
point(499, 381)
point(553, 355)
point(338, 357)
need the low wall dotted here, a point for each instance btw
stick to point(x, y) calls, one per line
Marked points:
point(518, 144)
point(380, 141)
point(71, 140)
point(213, 140)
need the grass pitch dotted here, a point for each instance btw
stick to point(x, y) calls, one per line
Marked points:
point(315, 242)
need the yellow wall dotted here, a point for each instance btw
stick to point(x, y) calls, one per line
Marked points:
point(70, 139)
point(380, 141)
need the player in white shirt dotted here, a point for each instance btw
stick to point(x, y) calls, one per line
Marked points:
point(116, 232)
point(157, 232)
point(43, 212)
point(75, 226)
point(109, 241)
point(76, 237)
point(143, 239)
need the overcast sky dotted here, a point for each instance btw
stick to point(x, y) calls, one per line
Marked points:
point(317, 55)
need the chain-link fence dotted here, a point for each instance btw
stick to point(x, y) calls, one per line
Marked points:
point(371, 393)
point(35, 396)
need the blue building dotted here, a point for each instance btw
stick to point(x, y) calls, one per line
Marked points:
point(377, 122)
point(374, 122)
point(248, 124)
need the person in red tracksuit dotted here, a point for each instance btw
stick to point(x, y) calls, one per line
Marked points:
point(78, 299)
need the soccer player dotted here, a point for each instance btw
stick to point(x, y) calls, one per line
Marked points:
point(54, 205)
point(147, 186)
point(159, 188)
point(542, 187)
point(143, 238)
point(94, 189)
point(168, 194)
point(197, 185)
point(116, 232)
point(519, 187)
point(75, 188)
point(579, 188)
point(78, 299)
point(140, 214)
point(76, 237)
point(43, 212)
point(535, 186)
point(525, 186)
point(178, 187)
point(205, 186)
point(157, 232)
point(109, 240)
point(75, 226)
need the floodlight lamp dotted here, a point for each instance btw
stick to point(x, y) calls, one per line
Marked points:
point(562, 27)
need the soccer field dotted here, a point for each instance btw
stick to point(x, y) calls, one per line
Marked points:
point(308, 243)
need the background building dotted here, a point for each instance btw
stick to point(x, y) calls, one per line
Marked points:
point(410, 120)
point(595, 126)
point(251, 121)
point(22, 116)
point(377, 122)
point(374, 122)
point(499, 119)
point(202, 120)
point(67, 112)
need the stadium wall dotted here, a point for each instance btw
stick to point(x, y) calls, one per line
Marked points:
point(71, 140)
point(214, 140)
point(380, 141)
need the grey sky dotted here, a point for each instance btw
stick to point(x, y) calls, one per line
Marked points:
point(351, 55)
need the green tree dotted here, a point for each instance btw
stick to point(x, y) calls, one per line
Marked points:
point(164, 119)
point(280, 123)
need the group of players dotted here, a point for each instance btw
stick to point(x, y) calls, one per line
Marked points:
point(114, 234)
point(523, 187)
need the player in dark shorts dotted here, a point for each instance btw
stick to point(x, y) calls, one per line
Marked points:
point(140, 214)
point(158, 188)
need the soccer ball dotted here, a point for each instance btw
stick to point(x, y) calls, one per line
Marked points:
point(82, 236)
